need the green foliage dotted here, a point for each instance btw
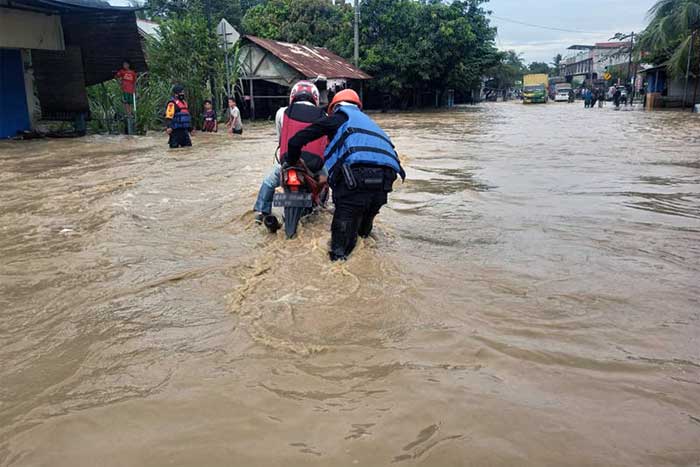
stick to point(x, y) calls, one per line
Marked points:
point(231, 10)
point(539, 67)
point(667, 38)
point(556, 65)
point(310, 22)
point(107, 109)
point(410, 46)
point(508, 69)
point(187, 53)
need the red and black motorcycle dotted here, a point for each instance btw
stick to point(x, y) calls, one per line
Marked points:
point(302, 193)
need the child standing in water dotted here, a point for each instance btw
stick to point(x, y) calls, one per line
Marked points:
point(210, 124)
point(127, 82)
point(233, 121)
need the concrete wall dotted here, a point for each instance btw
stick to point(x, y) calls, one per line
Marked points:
point(676, 88)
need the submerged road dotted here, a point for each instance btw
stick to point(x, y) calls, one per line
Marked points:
point(529, 298)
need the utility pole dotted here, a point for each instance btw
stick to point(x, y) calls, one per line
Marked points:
point(356, 30)
point(687, 69)
point(212, 81)
point(629, 69)
point(228, 72)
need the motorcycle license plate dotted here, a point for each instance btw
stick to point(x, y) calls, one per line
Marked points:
point(292, 200)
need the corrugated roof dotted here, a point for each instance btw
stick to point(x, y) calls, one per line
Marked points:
point(148, 28)
point(310, 61)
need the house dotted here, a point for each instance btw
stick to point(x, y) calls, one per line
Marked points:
point(269, 68)
point(664, 90)
point(51, 50)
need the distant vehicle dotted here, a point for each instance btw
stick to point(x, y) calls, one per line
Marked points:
point(562, 92)
point(623, 91)
point(562, 95)
point(555, 81)
point(535, 88)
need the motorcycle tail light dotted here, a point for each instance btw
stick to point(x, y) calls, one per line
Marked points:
point(293, 178)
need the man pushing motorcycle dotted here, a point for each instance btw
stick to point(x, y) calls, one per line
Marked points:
point(362, 166)
point(302, 111)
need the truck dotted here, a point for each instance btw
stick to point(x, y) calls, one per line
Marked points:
point(535, 88)
point(554, 81)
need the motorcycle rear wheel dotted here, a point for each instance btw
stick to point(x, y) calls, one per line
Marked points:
point(292, 216)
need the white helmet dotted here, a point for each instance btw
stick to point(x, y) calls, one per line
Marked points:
point(305, 91)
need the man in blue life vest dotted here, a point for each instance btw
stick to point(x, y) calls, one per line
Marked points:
point(362, 166)
point(178, 119)
point(302, 111)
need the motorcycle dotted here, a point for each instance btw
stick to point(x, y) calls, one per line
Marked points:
point(302, 193)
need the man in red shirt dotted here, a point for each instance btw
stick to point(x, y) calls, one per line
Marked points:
point(127, 81)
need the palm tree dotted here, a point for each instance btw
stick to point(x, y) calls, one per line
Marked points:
point(673, 34)
point(673, 31)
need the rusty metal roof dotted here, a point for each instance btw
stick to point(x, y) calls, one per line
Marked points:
point(310, 61)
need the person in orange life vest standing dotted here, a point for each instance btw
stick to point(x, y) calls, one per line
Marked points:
point(178, 119)
point(127, 81)
point(302, 111)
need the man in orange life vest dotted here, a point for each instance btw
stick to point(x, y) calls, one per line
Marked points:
point(303, 110)
point(178, 119)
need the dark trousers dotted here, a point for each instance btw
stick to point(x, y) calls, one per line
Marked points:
point(354, 215)
point(179, 138)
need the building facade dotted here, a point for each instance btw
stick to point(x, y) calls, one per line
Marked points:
point(590, 62)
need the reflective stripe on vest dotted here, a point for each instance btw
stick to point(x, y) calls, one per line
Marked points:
point(182, 118)
point(360, 141)
point(296, 118)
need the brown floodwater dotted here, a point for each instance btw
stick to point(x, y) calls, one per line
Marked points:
point(529, 297)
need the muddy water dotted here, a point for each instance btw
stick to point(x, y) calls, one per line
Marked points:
point(529, 297)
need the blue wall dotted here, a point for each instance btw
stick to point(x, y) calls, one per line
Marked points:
point(654, 85)
point(13, 100)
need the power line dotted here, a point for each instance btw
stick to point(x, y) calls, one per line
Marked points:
point(508, 20)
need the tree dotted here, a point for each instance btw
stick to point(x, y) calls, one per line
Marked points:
point(414, 46)
point(309, 22)
point(674, 24)
point(231, 10)
point(556, 65)
point(503, 74)
point(186, 53)
point(409, 46)
point(538, 67)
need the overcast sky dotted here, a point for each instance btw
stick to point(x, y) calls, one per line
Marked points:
point(598, 20)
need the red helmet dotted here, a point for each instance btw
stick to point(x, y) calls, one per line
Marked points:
point(304, 91)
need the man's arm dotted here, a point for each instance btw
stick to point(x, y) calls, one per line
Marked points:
point(279, 118)
point(326, 126)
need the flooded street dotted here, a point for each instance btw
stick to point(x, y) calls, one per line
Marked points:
point(529, 297)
